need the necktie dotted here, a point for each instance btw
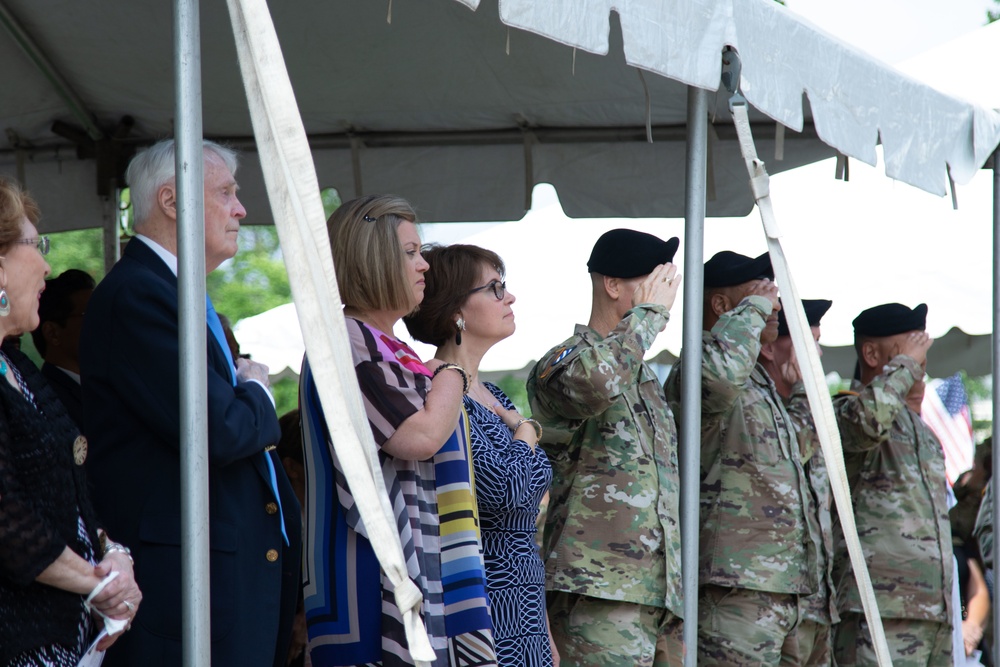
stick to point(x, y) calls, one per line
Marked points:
point(215, 326)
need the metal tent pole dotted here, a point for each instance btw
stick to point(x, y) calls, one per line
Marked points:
point(690, 434)
point(996, 393)
point(195, 600)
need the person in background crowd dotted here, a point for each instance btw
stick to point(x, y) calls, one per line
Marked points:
point(895, 467)
point(757, 553)
point(414, 411)
point(53, 555)
point(57, 336)
point(129, 361)
point(612, 538)
point(466, 310)
point(817, 612)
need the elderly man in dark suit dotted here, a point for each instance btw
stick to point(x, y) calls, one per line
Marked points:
point(130, 359)
point(57, 338)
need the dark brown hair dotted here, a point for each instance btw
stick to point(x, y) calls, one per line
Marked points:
point(15, 203)
point(455, 271)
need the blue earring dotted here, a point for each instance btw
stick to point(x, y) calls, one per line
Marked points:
point(4, 303)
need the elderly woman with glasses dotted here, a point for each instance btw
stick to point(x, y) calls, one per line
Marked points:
point(59, 574)
point(415, 413)
point(467, 310)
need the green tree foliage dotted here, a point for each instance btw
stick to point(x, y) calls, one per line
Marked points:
point(993, 14)
point(81, 249)
point(253, 281)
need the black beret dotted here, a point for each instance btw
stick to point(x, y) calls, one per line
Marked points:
point(728, 268)
point(815, 310)
point(890, 319)
point(626, 253)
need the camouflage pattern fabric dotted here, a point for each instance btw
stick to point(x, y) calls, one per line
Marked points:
point(755, 499)
point(611, 531)
point(984, 526)
point(591, 632)
point(815, 642)
point(821, 606)
point(911, 643)
point(895, 467)
point(747, 628)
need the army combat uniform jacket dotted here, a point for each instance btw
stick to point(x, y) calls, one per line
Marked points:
point(821, 606)
point(612, 528)
point(755, 499)
point(895, 467)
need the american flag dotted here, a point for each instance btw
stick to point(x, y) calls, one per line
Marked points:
point(946, 410)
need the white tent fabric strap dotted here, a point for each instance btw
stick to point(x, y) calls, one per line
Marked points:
point(294, 194)
point(816, 389)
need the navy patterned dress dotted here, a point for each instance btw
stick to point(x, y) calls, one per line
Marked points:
point(511, 480)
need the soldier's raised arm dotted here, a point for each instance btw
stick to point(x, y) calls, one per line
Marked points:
point(730, 349)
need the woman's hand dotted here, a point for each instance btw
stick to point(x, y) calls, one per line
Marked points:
point(526, 431)
point(121, 598)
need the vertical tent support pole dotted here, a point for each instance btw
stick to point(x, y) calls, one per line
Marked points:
point(193, 331)
point(996, 391)
point(690, 418)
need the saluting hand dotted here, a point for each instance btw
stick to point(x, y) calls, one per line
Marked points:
point(659, 287)
point(915, 344)
point(767, 289)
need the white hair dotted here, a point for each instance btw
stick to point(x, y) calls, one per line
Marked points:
point(154, 167)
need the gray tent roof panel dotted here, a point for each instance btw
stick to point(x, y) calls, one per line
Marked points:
point(436, 110)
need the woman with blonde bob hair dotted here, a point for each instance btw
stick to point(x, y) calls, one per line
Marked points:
point(415, 413)
point(59, 573)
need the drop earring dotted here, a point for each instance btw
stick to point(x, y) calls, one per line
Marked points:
point(4, 303)
point(459, 326)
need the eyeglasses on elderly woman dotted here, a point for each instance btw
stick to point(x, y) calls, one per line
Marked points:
point(40, 242)
point(499, 289)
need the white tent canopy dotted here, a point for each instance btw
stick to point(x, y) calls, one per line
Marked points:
point(431, 106)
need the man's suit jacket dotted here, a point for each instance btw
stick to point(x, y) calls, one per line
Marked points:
point(129, 355)
point(68, 391)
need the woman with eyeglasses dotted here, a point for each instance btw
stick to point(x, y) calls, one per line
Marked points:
point(59, 574)
point(466, 311)
point(415, 413)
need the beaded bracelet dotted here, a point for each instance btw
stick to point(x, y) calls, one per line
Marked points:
point(455, 367)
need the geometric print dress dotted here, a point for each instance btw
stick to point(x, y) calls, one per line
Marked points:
point(510, 481)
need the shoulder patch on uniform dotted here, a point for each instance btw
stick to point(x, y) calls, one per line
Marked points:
point(562, 354)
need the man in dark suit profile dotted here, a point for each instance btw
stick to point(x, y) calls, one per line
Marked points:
point(57, 338)
point(129, 357)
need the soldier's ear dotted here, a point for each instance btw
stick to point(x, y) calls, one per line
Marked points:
point(871, 354)
point(613, 287)
point(720, 304)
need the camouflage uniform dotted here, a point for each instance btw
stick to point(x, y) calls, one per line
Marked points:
point(611, 530)
point(895, 467)
point(818, 612)
point(755, 500)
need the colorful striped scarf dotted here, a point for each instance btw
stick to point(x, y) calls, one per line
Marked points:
point(350, 611)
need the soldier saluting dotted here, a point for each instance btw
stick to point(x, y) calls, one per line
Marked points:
point(756, 556)
point(612, 540)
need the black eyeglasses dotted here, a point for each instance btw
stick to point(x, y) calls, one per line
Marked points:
point(499, 289)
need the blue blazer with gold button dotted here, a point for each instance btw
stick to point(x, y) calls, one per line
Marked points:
point(129, 354)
